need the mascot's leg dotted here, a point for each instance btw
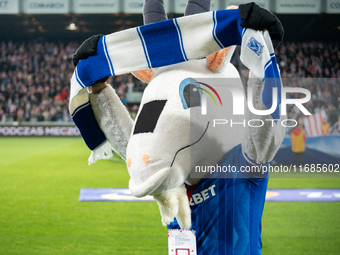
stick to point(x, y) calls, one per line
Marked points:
point(153, 11)
point(113, 118)
point(174, 203)
point(197, 6)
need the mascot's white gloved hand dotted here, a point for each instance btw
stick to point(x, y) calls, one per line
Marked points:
point(174, 203)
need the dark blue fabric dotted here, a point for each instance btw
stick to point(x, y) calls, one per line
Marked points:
point(95, 67)
point(162, 43)
point(228, 222)
point(227, 28)
point(85, 121)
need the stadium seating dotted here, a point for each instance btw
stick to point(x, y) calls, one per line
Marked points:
point(34, 78)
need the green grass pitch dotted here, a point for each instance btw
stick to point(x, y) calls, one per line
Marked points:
point(40, 180)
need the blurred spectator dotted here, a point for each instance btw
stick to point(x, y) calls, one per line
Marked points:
point(123, 99)
point(130, 84)
point(133, 111)
point(335, 129)
point(298, 138)
point(325, 127)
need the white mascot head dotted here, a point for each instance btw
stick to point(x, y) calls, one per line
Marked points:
point(170, 136)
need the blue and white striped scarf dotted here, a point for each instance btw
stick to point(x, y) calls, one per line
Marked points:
point(156, 45)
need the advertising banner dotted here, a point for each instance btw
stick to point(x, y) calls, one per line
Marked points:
point(298, 6)
point(181, 4)
point(46, 6)
point(100, 6)
point(262, 3)
point(9, 6)
point(333, 6)
point(38, 130)
point(136, 6)
point(133, 6)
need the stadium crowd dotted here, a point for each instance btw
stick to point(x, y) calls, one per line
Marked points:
point(314, 66)
point(34, 81)
point(34, 78)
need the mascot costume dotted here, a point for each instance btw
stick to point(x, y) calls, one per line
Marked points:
point(181, 60)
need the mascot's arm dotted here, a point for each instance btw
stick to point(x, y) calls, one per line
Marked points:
point(261, 143)
point(113, 118)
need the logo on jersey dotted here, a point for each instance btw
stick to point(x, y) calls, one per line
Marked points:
point(255, 46)
point(200, 197)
